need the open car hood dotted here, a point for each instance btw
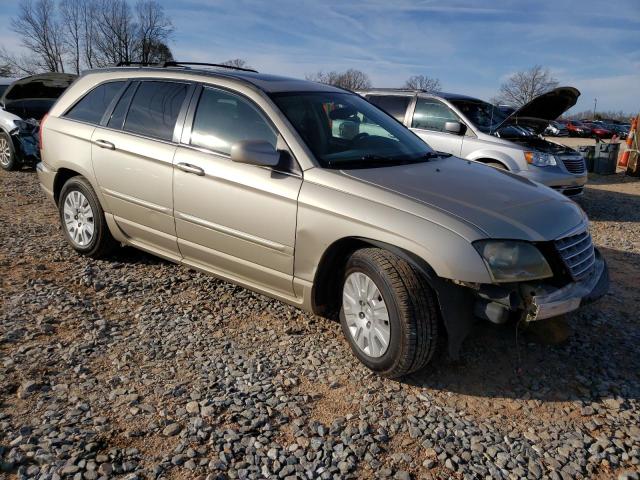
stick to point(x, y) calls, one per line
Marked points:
point(543, 109)
point(33, 96)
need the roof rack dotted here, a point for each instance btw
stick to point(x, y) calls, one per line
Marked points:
point(179, 64)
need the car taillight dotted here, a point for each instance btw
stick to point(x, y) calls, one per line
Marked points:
point(40, 132)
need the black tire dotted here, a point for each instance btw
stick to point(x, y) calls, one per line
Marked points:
point(102, 243)
point(11, 163)
point(498, 165)
point(412, 312)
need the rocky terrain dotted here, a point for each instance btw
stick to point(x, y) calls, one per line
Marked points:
point(133, 367)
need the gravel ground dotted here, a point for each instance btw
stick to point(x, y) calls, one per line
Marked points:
point(138, 368)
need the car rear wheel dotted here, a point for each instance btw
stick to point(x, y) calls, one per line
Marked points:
point(83, 220)
point(389, 313)
point(8, 159)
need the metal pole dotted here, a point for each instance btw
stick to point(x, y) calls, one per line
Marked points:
point(595, 102)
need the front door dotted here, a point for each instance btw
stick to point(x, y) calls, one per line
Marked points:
point(133, 162)
point(234, 219)
point(428, 121)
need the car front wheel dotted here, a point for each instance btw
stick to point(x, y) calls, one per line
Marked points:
point(83, 220)
point(389, 313)
point(8, 159)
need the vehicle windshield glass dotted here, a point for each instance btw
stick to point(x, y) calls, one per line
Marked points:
point(483, 115)
point(345, 131)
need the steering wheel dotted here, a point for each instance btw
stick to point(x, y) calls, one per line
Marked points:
point(359, 137)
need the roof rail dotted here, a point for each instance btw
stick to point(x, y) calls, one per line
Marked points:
point(179, 64)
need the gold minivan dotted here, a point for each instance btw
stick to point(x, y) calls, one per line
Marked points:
point(310, 194)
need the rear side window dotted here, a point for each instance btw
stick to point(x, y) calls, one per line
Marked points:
point(154, 109)
point(223, 119)
point(95, 103)
point(120, 112)
point(431, 114)
point(394, 105)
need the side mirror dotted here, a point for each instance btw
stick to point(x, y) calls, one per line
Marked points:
point(456, 128)
point(255, 152)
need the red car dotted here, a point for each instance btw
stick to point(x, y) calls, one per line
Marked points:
point(599, 131)
point(576, 128)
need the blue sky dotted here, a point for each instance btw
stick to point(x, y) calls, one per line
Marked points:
point(471, 46)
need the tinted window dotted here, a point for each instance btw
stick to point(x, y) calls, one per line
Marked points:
point(155, 108)
point(431, 114)
point(223, 119)
point(119, 113)
point(485, 116)
point(94, 104)
point(394, 105)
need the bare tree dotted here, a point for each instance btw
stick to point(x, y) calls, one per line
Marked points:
point(71, 13)
point(159, 52)
point(237, 62)
point(115, 33)
point(524, 86)
point(5, 70)
point(153, 30)
point(351, 79)
point(41, 34)
point(422, 82)
point(90, 30)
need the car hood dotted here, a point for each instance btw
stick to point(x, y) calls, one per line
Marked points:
point(498, 203)
point(544, 108)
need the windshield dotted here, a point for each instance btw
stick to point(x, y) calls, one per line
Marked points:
point(345, 131)
point(483, 115)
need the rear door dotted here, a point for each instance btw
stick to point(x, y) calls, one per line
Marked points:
point(428, 121)
point(133, 161)
point(234, 219)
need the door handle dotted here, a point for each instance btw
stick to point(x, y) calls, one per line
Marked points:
point(105, 144)
point(187, 167)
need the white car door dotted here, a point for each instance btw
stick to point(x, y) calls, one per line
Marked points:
point(428, 123)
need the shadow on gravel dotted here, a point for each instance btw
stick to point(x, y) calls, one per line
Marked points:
point(598, 361)
point(130, 256)
point(595, 179)
point(610, 206)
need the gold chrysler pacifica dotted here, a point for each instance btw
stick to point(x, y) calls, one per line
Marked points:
point(310, 194)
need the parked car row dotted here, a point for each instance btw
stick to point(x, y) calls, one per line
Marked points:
point(315, 196)
point(587, 128)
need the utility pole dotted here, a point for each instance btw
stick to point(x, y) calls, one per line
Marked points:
point(595, 103)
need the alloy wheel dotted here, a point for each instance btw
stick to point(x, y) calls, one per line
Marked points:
point(5, 152)
point(366, 314)
point(78, 218)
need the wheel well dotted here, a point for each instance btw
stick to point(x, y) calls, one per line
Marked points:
point(328, 278)
point(493, 160)
point(62, 176)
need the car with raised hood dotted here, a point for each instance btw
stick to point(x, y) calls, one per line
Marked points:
point(510, 139)
point(314, 196)
point(23, 103)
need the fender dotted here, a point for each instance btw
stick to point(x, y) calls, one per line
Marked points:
point(455, 302)
point(488, 154)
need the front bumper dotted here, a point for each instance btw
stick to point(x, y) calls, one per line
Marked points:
point(556, 178)
point(541, 300)
point(546, 301)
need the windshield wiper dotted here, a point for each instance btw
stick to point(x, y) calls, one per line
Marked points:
point(432, 155)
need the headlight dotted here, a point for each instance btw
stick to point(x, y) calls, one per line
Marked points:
point(540, 159)
point(513, 261)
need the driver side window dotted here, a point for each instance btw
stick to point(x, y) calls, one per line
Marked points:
point(430, 114)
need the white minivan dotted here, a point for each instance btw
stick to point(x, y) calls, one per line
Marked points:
point(477, 130)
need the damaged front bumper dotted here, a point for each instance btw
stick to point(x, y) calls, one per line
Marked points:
point(544, 301)
point(25, 141)
point(541, 300)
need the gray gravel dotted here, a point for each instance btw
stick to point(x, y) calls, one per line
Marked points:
point(138, 368)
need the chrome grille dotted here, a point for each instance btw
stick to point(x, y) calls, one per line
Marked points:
point(577, 254)
point(574, 164)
